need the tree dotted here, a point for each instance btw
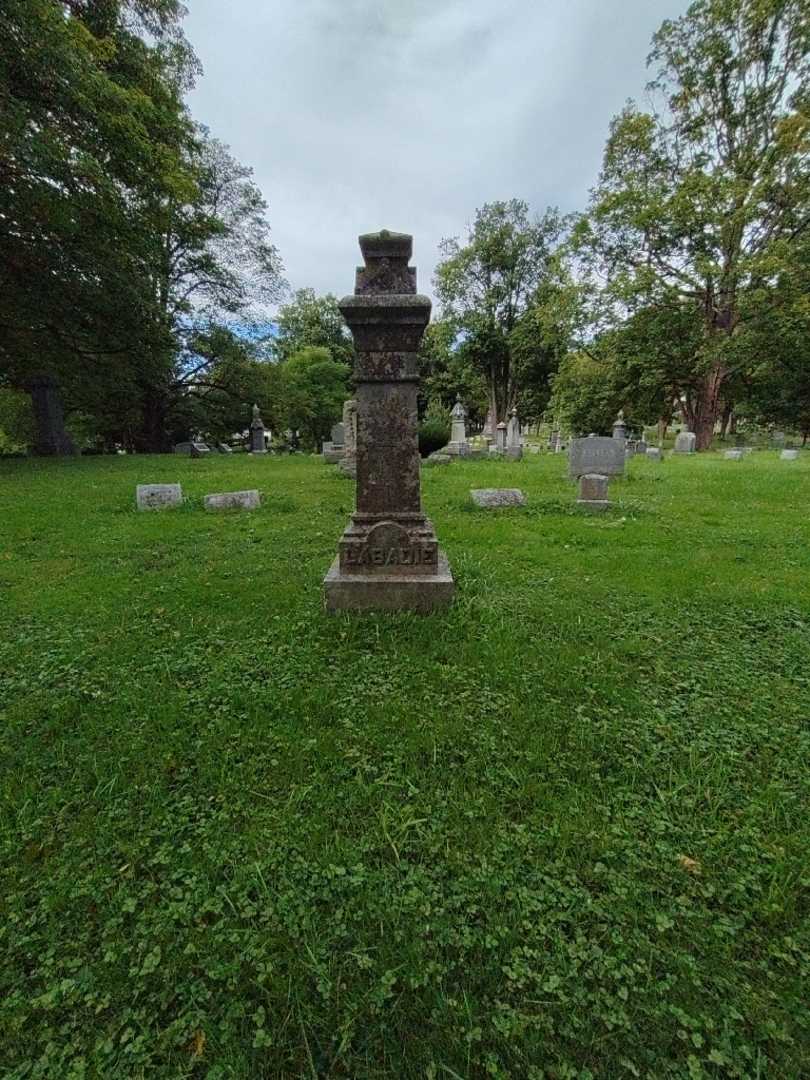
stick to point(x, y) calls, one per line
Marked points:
point(310, 320)
point(445, 372)
point(487, 284)
point(315, 387)
point(702, 200)
point(91, 129)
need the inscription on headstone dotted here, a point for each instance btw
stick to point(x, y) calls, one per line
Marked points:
point(597, 454)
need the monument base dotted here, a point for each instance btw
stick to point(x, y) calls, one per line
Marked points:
point(593, 504)
point(389, 592)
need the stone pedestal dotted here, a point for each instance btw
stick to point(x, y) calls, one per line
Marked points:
point(257, 445)
point(388, 557)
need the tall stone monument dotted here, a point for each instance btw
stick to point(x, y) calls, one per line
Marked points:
point(514, 441)
point(619, 427)
point(388, 557)
point(458, 445)
point(349, 463)
point(257, 433)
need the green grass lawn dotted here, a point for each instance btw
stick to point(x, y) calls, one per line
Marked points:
point(559, 831)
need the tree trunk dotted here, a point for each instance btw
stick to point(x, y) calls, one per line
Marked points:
point(51, 439)
point(706, 406)
point(725, 423)
point(152, 436)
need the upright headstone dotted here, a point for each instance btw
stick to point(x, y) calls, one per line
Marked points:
point(46, 401)
point(349, 463)
point(490, 424)
point(554, 442)
point(654, 453)
point(458, 445)
point(338, 435)
point(619, 427)
point(593, 491)
point(500, 438)
point(257, 445)
point(389, 556)
point(685, 443)
point(514, 443)
point(642, 446)
point(597, 454)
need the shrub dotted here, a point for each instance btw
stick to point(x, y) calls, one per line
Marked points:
point(434, 431)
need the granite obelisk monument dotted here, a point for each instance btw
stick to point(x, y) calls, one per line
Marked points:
point(388, 557)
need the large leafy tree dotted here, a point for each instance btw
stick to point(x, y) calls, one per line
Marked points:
point(315, 385)
point(92, 129)
point(487, 284)
point(309, 320)
point(701, 201)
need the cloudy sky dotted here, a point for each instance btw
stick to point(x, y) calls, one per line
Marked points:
point(358, 115)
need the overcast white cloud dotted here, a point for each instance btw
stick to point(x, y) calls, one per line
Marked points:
point(408, 114)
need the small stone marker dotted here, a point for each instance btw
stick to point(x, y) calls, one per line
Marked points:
point(500, 438)
point(514, 443)
point(654, 453)
point(593, 492)
point(192, 448)
point(233, 500)
point(438, 457)
point(458, 445)
point(733, 455)
point(257, 445)
point(685, 443)
point(348, 465)
point(597, 454)
point(490, 498)
point(789, 455)
point(641, 446)
point(158, 496)
point(338, 435)
point(619, 427)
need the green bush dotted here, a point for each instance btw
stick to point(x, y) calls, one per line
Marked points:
point(434, 431)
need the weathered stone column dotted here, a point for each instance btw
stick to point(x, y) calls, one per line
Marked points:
point(388, 556)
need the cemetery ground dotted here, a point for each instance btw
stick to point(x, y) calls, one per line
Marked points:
point(560, 830)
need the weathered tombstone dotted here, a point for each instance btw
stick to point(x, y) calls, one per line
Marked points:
point(46, 401)
point(654, 453)
point(232, 500)
point(490, 424)
point(630, 448)
point(500, 438)
point(642, 446)
point(158, 496)
point(338, 435)
point(492, 498)
point(223, 448)
point(438, 457)
point(778, 438)
point(458, 445)
point(349, 463)
point(514, 443)
point(257, 445)
point(733, 455)
point(388, 557)
point(596, 454)
point(685, 443)
point(593, 492)
point(619, 427)
point(192, 448)
point(789, 455)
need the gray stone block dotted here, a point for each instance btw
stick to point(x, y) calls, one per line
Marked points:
point(789, 455)
point(158, 496)
point(596, 454)
point(593, 492)
point(490, 498)
point(733, 455)
point(654, 453)
point(389, 592)
point(233, 500)
point(685, 443)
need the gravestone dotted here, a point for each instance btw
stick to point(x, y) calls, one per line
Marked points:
point(733, 455)
point(492, 498)
point(778, 438)
point(597, 454)
point(514, 443)
point(490, 424)
point(554, 442)
point(642, 446)
point(232, 500)
point(338, 435)
point(192, 448)
point(458, 445)
point(438, 457)
point(685, 443)
point(349, 463)
point(223, 448)
point(619, 427)
point(257, 444)
point(630, 448)
point(388, 557)
point(593, 492)
point(500, 438)
point(654, 453)
point(158, 496)
point(789, 455)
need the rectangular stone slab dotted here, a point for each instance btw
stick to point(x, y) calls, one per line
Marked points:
point(489, 498)
point(233, 500)
point(596, 454)
point(388, 592)
point(158, 496)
